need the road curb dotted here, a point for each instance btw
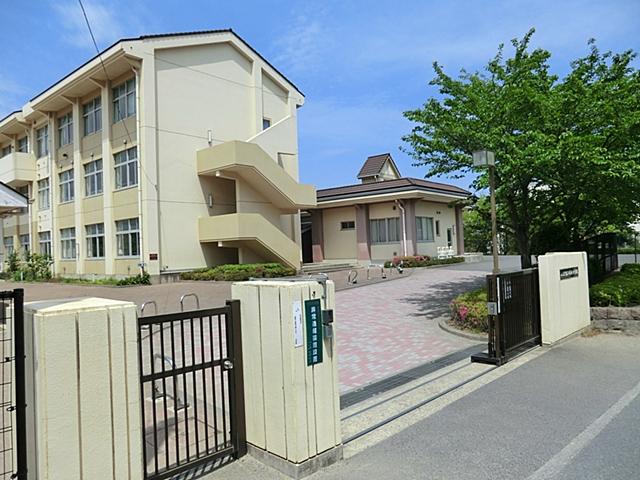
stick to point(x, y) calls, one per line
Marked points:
point(442, 323)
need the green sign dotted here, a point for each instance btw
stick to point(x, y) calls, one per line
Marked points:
point(313, 316)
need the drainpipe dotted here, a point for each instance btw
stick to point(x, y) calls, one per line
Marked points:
point(404, 227)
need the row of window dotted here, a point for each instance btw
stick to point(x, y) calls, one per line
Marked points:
point(124, 106)
point(127, 241)
point(387, 230)
point(125, 174)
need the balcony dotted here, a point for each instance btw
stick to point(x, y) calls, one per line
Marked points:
point(252, 231)
point(18, 168)
point(251, 164)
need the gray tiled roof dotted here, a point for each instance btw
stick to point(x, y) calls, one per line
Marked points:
point(389, 186)
point(373, 165)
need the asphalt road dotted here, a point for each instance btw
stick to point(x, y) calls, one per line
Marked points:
point(572, 412)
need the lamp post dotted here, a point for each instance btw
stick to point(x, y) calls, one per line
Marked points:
point(486, 158)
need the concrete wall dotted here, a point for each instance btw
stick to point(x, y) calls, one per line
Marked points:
point(83, 395)
point(292, 409)
point(339, 244)
point(564, 302)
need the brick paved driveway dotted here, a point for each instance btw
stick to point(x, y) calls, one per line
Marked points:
point(388, 328)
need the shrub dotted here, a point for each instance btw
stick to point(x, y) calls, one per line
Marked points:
point(13, 262)
point(469, 311)
point(421, 261)
point(621, 289)
point(33, 268)
point(238, 272)
point(140, 279)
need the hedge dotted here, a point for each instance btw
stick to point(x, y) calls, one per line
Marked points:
point(622, 289)
point(238, 272)
point(469, 311)
point(421, 261)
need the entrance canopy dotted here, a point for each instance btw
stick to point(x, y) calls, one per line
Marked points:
point(11, 201)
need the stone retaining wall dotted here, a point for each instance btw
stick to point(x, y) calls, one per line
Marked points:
point(625, 319)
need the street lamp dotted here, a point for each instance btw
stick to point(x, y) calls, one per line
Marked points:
point(486, 158)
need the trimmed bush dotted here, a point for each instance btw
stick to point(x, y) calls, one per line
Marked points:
point(418, 261)
point(140, 279)
point(239, 272)
point(621, 289)
point(469, 311)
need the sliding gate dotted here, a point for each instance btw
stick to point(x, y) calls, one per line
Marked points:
point(513, 301)
point(13, 426)
point(192, 390)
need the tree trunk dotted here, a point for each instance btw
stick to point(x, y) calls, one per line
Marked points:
point(524, 247)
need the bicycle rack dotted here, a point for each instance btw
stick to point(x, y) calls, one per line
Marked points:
point(352, 277)
point(189, 295)
point(149, 302)
point(156, 389)
point(383, 274)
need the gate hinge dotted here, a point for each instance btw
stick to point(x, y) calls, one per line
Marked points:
point(227, 364)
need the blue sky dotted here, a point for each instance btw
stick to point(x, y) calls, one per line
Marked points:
point(359, 63)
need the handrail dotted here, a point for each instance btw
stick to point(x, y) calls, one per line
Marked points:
point(156, 390)
point(149, 302)
point(189, 295)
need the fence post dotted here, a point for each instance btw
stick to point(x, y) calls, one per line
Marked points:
point(234, 341)
point(21, 397)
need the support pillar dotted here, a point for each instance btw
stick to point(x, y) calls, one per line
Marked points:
point(410, 218)
point(317, 236)
point(459, 231)
point(362, 233)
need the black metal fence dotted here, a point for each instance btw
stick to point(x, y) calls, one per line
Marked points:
point(602, 253)
point(192, 390)
point(13, 450)
point(514, 314)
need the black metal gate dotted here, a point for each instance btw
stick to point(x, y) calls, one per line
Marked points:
point(13, 450)
point(514, 315)
point(192, 390)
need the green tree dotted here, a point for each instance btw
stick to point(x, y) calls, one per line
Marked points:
point(567, 150)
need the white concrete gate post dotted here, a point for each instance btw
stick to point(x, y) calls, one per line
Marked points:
point(83, 394)
point(292, 407)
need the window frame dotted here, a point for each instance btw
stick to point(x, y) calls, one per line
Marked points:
point(124, 238)
point(421, 230)
point(92, 116)
point(347, 225)
point(123, 94)
point(68, 241)
point(65, 129)
point(437, 228)
point(67, 185)
point(42, 141)
point(94, 179)
point(384, 236)
point(95, 241)
point(25, 247)
point(22, 145)
point(5, 151)
point(125, 166)
point(46, 242)
point(9, 247)
point(44, 199)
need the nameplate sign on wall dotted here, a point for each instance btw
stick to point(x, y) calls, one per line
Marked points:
point(570, 272)
point(313, 317)
point(298, 339)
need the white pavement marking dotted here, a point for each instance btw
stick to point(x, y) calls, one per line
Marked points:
point(560, 460)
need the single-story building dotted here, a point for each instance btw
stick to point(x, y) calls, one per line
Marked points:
point(383, 216)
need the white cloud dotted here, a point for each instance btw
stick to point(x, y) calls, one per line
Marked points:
point(108, 23)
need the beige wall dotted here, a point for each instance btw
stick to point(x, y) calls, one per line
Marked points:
point(385, 251)
point(83, 395)
point(564, 303)
point(339, 244)
point(446, 216)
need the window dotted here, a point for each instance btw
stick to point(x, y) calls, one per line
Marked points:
point(44, 238)
point(126, 165)
point(424, 229)
point(65, 130)
point(385, 230)
point(266, 123)
point(93, 178)
point(95, 240)
point(42, 141)
point(43, 194)
point(67, 193)
point(124, 100)
point(349, 225)
point(24, 243)
point(92, 116)
point(6, 150)
point(128, 237)
point(23, 145)
point(68, 243)
point(438, 228)
point(8, 246)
